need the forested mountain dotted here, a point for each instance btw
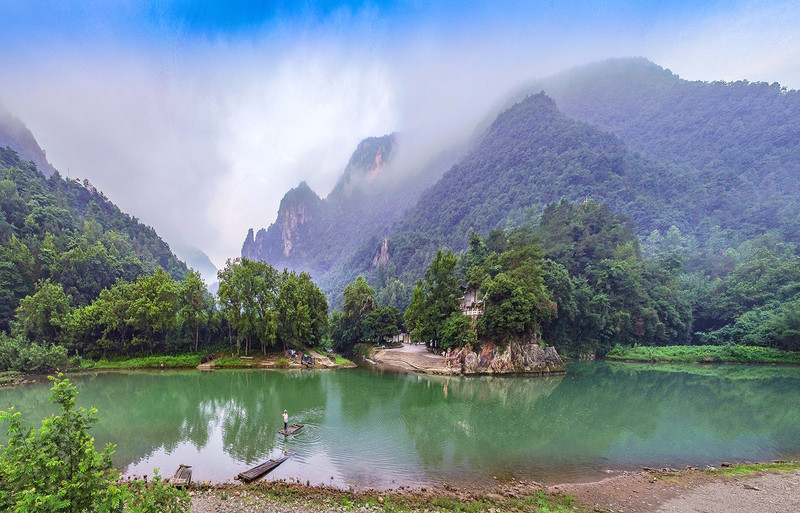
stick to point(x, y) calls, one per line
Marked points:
point(706, 175)
point(70, 233)
point(736, 145)
point(533, 155)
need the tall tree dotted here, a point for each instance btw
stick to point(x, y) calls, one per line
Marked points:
point(434, 299)
point(195, 304)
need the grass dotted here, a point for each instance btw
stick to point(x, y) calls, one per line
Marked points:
point(10, 376)
point(341, 360)
point(747, 469)
point(703, 354)
point(151, 362)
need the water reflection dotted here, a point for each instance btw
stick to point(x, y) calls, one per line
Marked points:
point(384, 429)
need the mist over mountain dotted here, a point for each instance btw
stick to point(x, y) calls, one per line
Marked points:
point(715, 162)
point(318, 235)
point(15, 135)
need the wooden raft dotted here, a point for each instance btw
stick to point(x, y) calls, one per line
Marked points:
point(182, 477)
point(268, 466)
point(291, 429)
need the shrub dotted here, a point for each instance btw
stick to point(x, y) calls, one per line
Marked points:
point(57, 469)
point(282, 363)
point(19, 354)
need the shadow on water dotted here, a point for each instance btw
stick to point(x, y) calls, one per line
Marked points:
point(382, 429)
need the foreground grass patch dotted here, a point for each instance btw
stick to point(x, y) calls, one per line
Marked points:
point(10, 376)
point(752, 468)
point(704, 354)
point(151, 362)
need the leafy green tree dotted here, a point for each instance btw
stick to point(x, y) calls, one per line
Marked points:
point(301, 311)
point(457, 331)
point(434, 299)
point(359, 300)
point(195, 304)
point(42, 316)
point(248, 293)
point(382, 323)
point(153, 308)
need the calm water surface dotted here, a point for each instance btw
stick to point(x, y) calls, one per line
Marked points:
point(381, 430)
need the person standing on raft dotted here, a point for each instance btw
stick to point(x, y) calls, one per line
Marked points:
point(285, 421)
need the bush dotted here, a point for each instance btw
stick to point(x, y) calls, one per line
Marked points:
point(152, 362)
point(282, 363)
point(17, 353)
point(57, 469)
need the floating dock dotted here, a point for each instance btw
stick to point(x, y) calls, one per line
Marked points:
point(182, 477)
point(291, 429)
point(268, 466)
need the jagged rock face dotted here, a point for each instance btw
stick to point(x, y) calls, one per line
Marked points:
point(294, 229)
point(382, 256)
point(366, 164)
point(15, 135)
point(345, 215)
point(519, 357)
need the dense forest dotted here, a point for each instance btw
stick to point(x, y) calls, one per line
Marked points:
point(80, 279)
point(575, 277)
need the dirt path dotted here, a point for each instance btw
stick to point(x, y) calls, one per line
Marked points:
point(689, 491)
point(414, 358)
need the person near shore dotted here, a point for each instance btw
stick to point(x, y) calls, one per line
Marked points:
point(285, 421)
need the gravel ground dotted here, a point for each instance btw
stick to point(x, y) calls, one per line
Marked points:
point(689, 492)
point(766, 493)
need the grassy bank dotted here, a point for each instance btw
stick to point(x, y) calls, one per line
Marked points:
point(151, 362)
point(703, 354)
point(9, 377)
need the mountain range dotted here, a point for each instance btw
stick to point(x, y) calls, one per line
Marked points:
point(716, 162)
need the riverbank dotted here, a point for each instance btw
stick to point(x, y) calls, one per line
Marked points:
point(703, 354)
point(767, 488)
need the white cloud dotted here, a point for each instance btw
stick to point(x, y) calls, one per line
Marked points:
point(201, 138)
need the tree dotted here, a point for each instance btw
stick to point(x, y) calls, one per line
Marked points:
point(382, 323)
point(195, 304)
point(42, 316)
point(248, 292)
point(359, 300)
point(434, 299)
point(301, 311)
point(153, 307)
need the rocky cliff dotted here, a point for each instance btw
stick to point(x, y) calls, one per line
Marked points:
point(15, 135)
point(518, 357)
point(300, 217)
point(310, 233)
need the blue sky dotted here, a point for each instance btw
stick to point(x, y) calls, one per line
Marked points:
point(198, 116)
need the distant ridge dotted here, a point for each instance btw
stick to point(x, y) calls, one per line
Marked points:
point(14, 134)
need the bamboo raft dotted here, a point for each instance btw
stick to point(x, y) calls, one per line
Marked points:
point(291, 429)
point(182, 477)
point(268, 466)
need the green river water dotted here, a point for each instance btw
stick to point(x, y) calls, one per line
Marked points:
point(383, 429)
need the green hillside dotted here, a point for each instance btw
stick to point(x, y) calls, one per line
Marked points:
point(70, 233)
